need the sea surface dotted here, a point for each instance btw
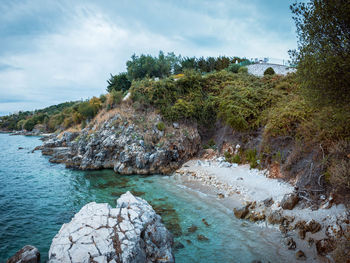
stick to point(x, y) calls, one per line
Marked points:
point(37, 197)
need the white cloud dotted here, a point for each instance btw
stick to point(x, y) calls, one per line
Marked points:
point(74, 60)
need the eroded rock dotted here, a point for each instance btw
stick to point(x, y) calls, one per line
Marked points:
point(131, 232)
point(28, 254)
point(241, 212)
point(324, 246)
point(125, 144)
point(289, 201)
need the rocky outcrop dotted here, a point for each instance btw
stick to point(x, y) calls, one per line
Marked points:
point(289, 201)
point(131, 232)
point(28, 254)
point(128, 142)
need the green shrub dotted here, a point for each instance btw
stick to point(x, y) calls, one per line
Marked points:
point(251, 157)
point(29, 124)
point(236, 158)
point(86, 110)
point(243, 70)
point(269, 71)
point(227, 156)
point(234, 68)
point(284, 119)
point(161, 126)
point(103, 98)
point(116, 97)
point(242, 102)
point(119, 82)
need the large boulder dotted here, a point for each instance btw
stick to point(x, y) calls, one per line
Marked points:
point(28, 254)
point(289, 201)
point(131, 232)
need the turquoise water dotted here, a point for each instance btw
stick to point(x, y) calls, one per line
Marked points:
point(37, 197)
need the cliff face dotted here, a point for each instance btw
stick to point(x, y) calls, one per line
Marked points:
point(127, 141)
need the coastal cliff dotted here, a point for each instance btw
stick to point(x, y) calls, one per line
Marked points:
point(127, 141)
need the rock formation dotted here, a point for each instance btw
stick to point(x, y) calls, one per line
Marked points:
point(28, 254)
point(128, 143)
point(131, 232)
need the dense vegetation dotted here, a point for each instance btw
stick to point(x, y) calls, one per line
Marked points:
point(323, 55)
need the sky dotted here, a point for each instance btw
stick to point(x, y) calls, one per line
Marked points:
point(65, 50)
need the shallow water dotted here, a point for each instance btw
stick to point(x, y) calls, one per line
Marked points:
point(37, 197)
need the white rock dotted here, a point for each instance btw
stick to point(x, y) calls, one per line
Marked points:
point(96, 230)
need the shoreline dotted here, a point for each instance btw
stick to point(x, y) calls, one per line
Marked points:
point(251, 195)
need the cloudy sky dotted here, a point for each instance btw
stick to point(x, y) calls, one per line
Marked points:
point(55, 51)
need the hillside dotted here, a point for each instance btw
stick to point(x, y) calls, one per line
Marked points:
point(269, 117)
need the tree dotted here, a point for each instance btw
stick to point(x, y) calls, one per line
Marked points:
point(323, 55)
point(119, 82)
point(269, 71)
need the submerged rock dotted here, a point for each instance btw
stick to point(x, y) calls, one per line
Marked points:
point(131, 232)
point(28, 254)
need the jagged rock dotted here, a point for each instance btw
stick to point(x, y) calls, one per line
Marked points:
point(129, 148)
point(131, 232)
point(268, 202)
point(28, 254)
point(241, 212)
point(302, 233)
point(313, 226)
point(289, 201)
point(290, 243)
point(300, 255)
point(275, 218)
point(256, 216)
point(324, 246)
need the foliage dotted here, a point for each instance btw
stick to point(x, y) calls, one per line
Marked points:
point(234, 68)
point(269, 71)
point(242, 102)
point(161, 126)
point(119, 82)
point(323, 57)
point(243, 70)
point(29, 124)
point(285, 118)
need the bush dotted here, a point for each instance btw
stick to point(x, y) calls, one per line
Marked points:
point(234, 68)
point(251, 157)
point(161, 126)
point(119, 83)
point(242, 102)
point(115, 98)
point(243, 70)
point(103, 98)
point(285, 118)
point(269, 71)
point(29, 124)
point(86, 110)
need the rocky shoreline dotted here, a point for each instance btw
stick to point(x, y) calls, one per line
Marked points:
point(314, 234)
point(131, 232)
point(128, 142)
